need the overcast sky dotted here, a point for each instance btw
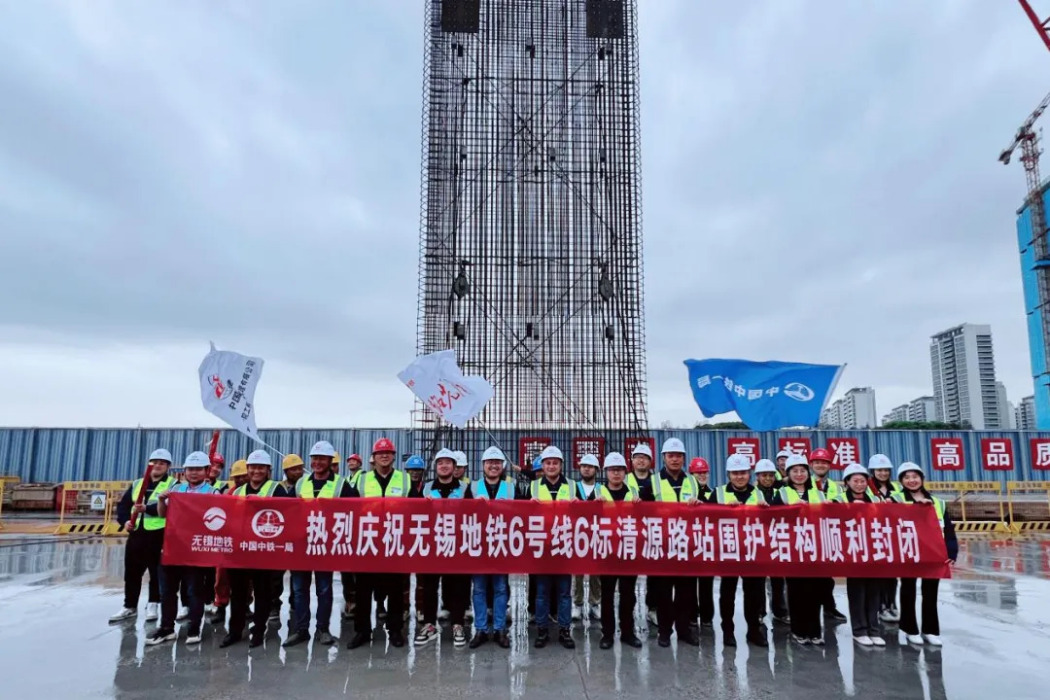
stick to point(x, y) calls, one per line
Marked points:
point(820, 184)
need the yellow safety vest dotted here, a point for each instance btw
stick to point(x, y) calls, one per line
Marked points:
point(304, 488)
point(543, 493)
point(756, 498)
point(145, 521)
point(789, 495)
point(606, 494)
point(938, 505)
point(265, 490)
point(632, 481)
point(834, 492)
point(690, 490)
point(369, 487)
point(219, 485)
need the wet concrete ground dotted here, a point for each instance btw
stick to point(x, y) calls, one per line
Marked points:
point(55, 643)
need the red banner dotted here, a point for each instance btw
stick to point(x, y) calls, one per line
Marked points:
point(482, 537)
point(529, 448)
point(844, 451)
point(997, 454)
point(947, 454)
point(1040, 452)
point(798, 445)
point(748, 447)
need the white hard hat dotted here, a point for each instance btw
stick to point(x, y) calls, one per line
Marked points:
point(461, 458)
point(906, 467)
point(196, 459)
point(673, 445)
point(765, 466)
point(854, 469)
point(879, 461)
point(615, 459)
point(590, 460)
point(322, 448)
point(551, 452)
point(642, 448)
point(738, 463)
point(493, 453)
point(260, 457)
point(794, 460)
point(784, 453)
point(161, 454)
point(445, 453)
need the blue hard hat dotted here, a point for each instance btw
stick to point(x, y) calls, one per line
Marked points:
point(415, 462)
point(537, 464)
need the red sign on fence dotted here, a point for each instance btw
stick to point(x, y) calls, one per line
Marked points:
point(844, 451)
point(800, 446)
point(997, 454)
point(529, 448)
point(630, 443)
point(947, 454)
point(402, 535)
point(749, 447)
point(1040, 450)
point(587, 446)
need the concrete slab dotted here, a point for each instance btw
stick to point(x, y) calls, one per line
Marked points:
point(56, 594)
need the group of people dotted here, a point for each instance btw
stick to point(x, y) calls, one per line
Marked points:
point(679, 604)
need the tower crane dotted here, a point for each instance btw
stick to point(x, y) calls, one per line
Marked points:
point(1028, 140)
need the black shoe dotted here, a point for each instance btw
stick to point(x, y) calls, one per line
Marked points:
point(757, 639)
point(229, 640)
point(605, 643)
point(219, 617)
point(690, 639)
point(729, 640)
point(835, 615)
point(396, 638)
point(380, 611)
point(359, 640)
point(503, 640)
point(542, 638)
point(707, 624)
point(255, 641)
point(296, 638)
point(565, 637)
point(630, 640)
point(664, 640)
point(478, 639)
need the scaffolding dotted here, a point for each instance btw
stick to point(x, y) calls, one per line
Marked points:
point(530, 262)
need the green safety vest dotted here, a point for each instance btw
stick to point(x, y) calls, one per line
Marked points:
point(145, 521)
point(938, 505)
point(606, 494)
point(834, 492)
point(565, 491)
point(304, 488)
point(632, 481)
point(755, 499)
point(690, 490)
point(790, 496)
point(266, 490)
point(355, 477)
point(219, 485)
point(368, 485)
point(505, 492)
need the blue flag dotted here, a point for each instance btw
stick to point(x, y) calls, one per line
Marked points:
point(766, 395)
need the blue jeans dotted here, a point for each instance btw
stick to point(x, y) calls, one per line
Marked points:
point(481, 604)
point(301, 595)
point(561, 586)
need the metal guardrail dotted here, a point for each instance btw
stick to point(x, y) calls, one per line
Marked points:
point(1013, 487)
point(104, 493)
point(964, 488)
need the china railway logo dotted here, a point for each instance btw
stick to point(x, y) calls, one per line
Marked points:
point(220, 387)
point(214, 518)
point(268, 523)
point(799, 392)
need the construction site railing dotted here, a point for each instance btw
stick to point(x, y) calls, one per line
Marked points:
point(1026, 524)
point(967, 488)
point(103, 498)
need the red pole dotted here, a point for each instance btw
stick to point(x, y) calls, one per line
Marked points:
point(142, 493)
point(214, 447)
point(1040, 25)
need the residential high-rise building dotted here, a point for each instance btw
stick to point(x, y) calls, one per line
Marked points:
point(922, 410)
point(963, 367)
point(900, 413)
point(831, 417)
point(854, 410)
point(1005, 408)
point(1025, 414)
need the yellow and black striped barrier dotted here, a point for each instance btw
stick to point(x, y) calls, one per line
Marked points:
point(104, 529)
point(981, 526)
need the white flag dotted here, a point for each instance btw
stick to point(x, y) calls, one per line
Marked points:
point(228, 381)
point(438, 382)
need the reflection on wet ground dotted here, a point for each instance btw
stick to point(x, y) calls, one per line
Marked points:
point(55, 597)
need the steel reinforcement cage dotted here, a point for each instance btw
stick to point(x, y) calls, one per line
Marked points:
point(530, 262)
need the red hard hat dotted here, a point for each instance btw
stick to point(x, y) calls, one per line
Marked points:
point(699, 465)
point(820, 453)
point(383, 445)
point(218, 459)
point(354, 456)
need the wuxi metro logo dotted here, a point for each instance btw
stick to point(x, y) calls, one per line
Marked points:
point(268, 523)
point(798, 391)
point(214, 519)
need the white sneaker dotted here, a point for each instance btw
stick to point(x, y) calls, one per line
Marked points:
point(888, 615)
point(576, 613)
point(651, 616)
point(184, 613)
point(425, 635)
point(468, 614)
point(159, 637)
point(124, 614)
point(864, 640)
point(443, 614)
point(913, 638)
point(152, 611)
point(193, 639)
point(210, 609)
point(878, 641)
point(817, 641)
point(934, 640)
point(596, 613)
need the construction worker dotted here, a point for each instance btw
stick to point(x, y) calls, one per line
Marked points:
point(913, 491)
point(638, 477)
point(553, 486)
point(587, 489)
point(528, 472)
point(490, 615)
point(292, 467)
point(215, 468)
point(820, 465)
point(238, 478)
point(782, 458)
point(196, 467)
point(768, 482)
point(416, 468)
point(864, 594)
point(616, 490)
point(256, 583)
point(880, 471)
point(804, 593)
point(353, 467)
point(673, 485)
point(704, 607)
point(460, 471)
point(741, 492)
point(145, 536)
point(383, 481)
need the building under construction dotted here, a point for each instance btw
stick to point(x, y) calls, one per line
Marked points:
point(530, 262)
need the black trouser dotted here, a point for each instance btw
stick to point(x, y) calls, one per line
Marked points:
point(208, 585)
point(804, 604)
point(704, 600)
point(388, 586)
point(532, 595)
point(674, 604)
point(864, 595)
point(888, 598)
point(754, 595)
point(779, 596)
point(826, 598)
point(175, 578)
point(931, 623)
point(651, 596)
point(628, 598)
point(260, 581)
point(348, 586)
point(455, 596)
point(142, 554)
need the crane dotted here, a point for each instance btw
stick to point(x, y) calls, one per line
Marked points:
point(1028, 140)
point(1042, 26)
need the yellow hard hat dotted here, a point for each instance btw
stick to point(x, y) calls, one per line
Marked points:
point(336, 459)
point(291, 461)
point(239, 468)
